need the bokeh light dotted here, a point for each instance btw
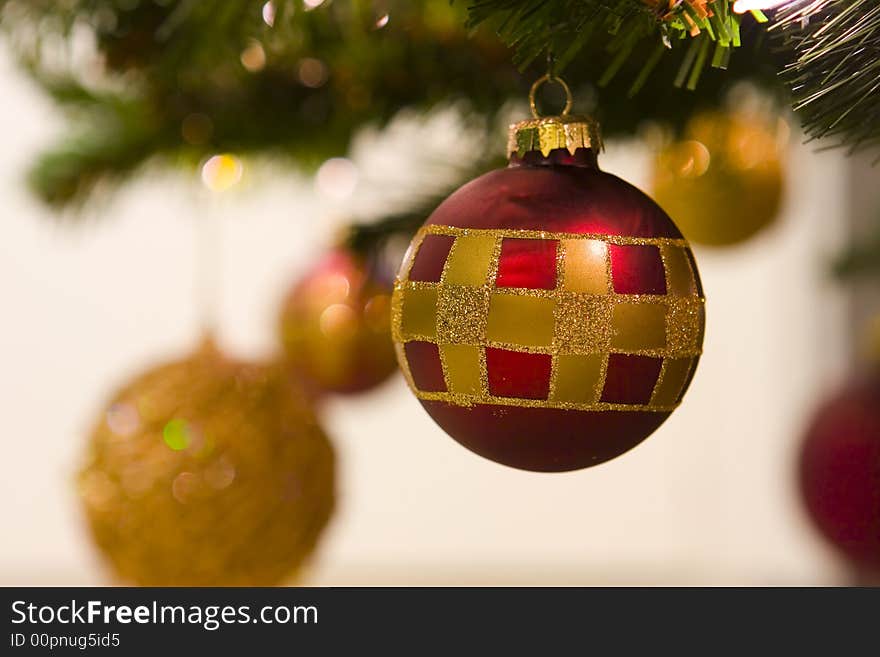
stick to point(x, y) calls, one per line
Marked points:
point(312, 72)
point(269, 14)
point(123, 419)
point(222, 172)
point(742, 6)
point(176, 434)
point(338, 320)
point(196, 129)
point(337, 178)
point(184, 487)
point(692, 159)
point(253, 58)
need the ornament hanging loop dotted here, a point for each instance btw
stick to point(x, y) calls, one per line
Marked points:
point(540, 82)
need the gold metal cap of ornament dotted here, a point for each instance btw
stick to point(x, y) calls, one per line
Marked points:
point(548, 133)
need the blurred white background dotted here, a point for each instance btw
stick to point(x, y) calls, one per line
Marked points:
point(709, 499)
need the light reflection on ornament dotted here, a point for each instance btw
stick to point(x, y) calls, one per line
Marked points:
point(377, 310)
point(176, 434)
point(338, 321)
point(184, 487)
point(383, 21)
point(221, 172)
point(742, 6)
point(220, 474)
point(123, 419)
point(312, 72)
point(598, 249)
point(269, 14)
point(253, 58)
point(332, 288)
point(97, 490)
point(337, 178)
point(691, 159)
point(312, 4)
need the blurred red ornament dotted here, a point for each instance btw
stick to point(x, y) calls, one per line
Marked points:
point(335, 326)
point(549, 316)
point(840, 472)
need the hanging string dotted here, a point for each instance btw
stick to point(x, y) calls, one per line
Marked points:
point(219, 174)
point(208, 267)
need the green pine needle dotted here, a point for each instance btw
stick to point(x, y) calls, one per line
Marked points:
point(832, 48)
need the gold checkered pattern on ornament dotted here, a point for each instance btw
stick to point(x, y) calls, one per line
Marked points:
point(581, 323)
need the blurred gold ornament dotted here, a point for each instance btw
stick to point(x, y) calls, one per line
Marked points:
point(724, 182)
point(335, 326)
point(208, 471)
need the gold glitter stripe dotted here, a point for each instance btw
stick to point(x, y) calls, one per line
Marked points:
point(613, 297)
point(582, 326)
point(681, 343)
point(434, 229)
point(473, 400)
point(554, 350)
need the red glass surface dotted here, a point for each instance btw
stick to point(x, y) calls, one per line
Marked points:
point(527, 263)
point(637, 269)
point(556, 194)
point(840, 472)
point(564, 199)
point(544, 439)
point(431, 258)
point(518, 374)
point(351, 361)
point(425, 366)
point(631, 378)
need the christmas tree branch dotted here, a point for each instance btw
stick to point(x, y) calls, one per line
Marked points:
point(617, 30)
point(832, 52)
point(299, 84)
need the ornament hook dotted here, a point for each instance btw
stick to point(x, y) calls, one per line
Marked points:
point(549, 77)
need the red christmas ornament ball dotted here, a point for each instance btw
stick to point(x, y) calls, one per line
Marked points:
point(840, 472)
point(548, 316)
point(334, 326)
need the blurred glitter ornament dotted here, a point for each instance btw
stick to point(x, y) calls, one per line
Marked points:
point(335, 325)
point(549, 316)
point(724, 182)
point(208, 471)
point(840, 473)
